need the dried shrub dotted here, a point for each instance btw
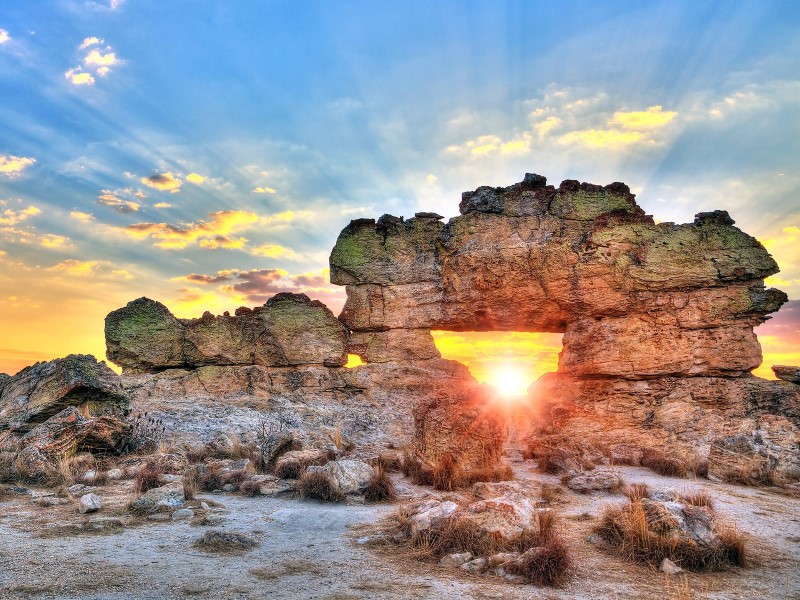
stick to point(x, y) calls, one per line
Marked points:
point(754, 471)
point(250, 488)
point(148, 477)
point(549, 564)
point(663, 465)
point(388, 462)
point(547, 465)
point(551, 492)
point(210, 479)
point(637, 491)
point(701, 468)
point(638, 538)
point(447, 473)
point(380, 488)
point(293, 469)
point(319, 486)
point(197, 454)
point(190, 485)
point(413, 468)
point(146, 433)
point(224, 542)
point(698, 498)
point(492, 474)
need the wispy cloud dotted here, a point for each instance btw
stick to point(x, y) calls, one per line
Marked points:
point(97, 61)
point(10, 217)
point(276, 251)
point(82, 268)
point(13, 166)
point(212, 233)
point(4, 37)
point(90, 41)
point(263, 189)
point(81, 216)
point(121, 199)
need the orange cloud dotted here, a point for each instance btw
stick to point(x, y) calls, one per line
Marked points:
point(276, 251)
point(11, 217)
point(81, 216)
point(208, 233)
point(53, 241)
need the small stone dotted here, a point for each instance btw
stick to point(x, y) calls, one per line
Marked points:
point(89, 503)
point(228, 487)
point(502, 558)
point(456, 560)
point(204, 505)
point(182, 513)
point(103, 524)
point(115, 474)
point(475, 566)
point(167, 496)
point(90, 476)
point(669, 567)
point(169, 478)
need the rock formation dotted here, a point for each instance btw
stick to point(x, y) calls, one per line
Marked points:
point(289, 330)
point(657, 318)
point(54, 409)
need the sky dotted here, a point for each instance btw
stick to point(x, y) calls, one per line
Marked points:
point(207, 154)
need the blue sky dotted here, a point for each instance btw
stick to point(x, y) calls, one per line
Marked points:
point(208, 153)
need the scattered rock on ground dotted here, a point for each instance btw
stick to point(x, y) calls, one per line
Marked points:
point(89, 503)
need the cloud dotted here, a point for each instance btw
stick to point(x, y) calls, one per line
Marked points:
point(221, 241)
point(652, 118)
point(195, 178)
point(77, 76)
point(13, 166)
point(117, 200)
point(264, 190)
point(81, 216)
point(11, 217)
point(284, 218)
point(602, 138)
point(82, 268)
point(275, 251)
point(54, 242)
point(4, 37)
point(163, 181)
point(162, 205)
point(95, 58)
point(211, 233)
point(90, 41)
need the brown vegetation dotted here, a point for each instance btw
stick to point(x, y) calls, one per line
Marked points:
point(380, 488)
point(319, 486)
point(148, 477)
point(447, 473)
point(662, 464)
point(250, 488)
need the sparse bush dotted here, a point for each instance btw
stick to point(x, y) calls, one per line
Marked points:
point(388, 462)
point(413, 468)
point(250, 488)
point(190, 484)
point(197, 454)
point(663, 465)
point(294, 468)
point(319, 486)
point(224, 542)
point(546, 464)
point(550, 492)
point(447, 473)
point(701, 468)
point(210, 479)
point(148, 477)
point(380, 487)
point(146, 433)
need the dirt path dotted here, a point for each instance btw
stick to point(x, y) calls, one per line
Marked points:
point(308, 550)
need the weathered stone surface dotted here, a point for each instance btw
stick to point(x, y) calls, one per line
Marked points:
point(290, 329)
point(43, 390)
point(67, 433)
point(503, 511)
point(89, 503)
point(166, 497)
point(604, 480)
point(581, 259)
point(430, 516)
point(790, 374)
point(349, 476)
point(455, 560)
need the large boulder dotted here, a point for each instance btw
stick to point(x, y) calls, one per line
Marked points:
point(348, 476)
point(790, 374)
point(43, 390)
point(290, 329)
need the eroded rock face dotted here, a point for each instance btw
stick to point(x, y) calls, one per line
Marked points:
point(790, 374)
point(657, 318)
point(43, 390)
point(290, 329)
point(635, 299)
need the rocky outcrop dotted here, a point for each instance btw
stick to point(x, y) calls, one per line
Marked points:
point(790, 374)
point(54, 409)
point(657, 318)
point(289, 330)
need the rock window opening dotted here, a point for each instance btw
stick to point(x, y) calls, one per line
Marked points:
point(508, 361)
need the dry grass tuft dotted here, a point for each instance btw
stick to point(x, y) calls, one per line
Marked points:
point(190, 485)
point(250, 488)
point(197, 454)
point(662, 464)
point(551, 492)
point(148, 477)
point(319, 486)
point(224, 542)
point(549, 564)
point(637, 491)
point(380, 487)
point(639, 535)
point(388, 462)
point(447, 474)
point(698, 498)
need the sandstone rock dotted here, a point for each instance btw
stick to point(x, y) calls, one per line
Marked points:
point(273, 487)
point(432, 517)
point(790, 374)
point(455, 560)
point(66, 433)
point(290, 329)
point(349, 476)
point(477, 565)
point(45, 389)
point(502, 558)
point(669, 567)
point(166, 497)
point(505, 511)
point(89, 503)
point(598, 480)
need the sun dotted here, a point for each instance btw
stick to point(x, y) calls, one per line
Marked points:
point(510, 381)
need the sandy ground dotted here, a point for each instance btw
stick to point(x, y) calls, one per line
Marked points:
point(309, 550)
